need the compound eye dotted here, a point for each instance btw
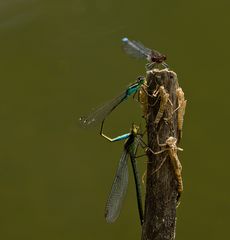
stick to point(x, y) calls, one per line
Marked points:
point(140, 78)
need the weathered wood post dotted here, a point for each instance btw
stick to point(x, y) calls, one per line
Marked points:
point(162, 184)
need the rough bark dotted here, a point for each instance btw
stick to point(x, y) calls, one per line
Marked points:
point(161, 185)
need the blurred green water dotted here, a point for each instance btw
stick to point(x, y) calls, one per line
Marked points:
point(61, 58)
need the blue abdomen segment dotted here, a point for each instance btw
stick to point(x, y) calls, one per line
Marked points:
point(132, 89)
point(122, 137)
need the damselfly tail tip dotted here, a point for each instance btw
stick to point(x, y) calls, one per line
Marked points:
point(125, 39)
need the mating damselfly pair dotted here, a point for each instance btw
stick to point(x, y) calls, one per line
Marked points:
point(133, 138)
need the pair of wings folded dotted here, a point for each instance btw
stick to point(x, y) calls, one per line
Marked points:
point(120, 184)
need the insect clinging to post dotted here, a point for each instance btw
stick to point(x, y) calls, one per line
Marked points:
point(171, 147)
point(143, 99)
point(181, 109)
point(164, 99)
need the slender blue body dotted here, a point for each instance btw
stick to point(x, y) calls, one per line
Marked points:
point(120, 182)
point(122, 137)
point(100, 113)
point(132, 89)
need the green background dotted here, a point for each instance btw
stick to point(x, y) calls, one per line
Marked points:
point(58, 59)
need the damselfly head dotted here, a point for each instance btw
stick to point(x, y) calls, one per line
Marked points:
point(135, 129)
point(141, 80)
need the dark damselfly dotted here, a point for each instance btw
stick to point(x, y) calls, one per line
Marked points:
point(120, 182)
point(138, 50)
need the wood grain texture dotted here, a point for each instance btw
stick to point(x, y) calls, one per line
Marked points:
point(161, 185)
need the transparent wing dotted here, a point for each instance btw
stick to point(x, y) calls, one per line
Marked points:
point(100, 113)
point(136, 144)
point(135, 49)
point(119, 188)
point(145, 50)
point(132, 152)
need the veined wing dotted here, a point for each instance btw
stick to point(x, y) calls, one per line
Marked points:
point(119, 188)
point(132, 153)
point(100, 113)
point(136, 49)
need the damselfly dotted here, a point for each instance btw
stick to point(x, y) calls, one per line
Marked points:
point(138, 50)
point(120, 183)
point(100, 113)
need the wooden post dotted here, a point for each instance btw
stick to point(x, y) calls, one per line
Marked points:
point(161, 182)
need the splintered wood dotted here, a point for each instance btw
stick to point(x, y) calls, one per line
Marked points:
point(164, 109)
